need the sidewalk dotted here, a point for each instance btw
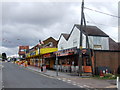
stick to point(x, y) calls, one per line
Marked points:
point(76, 80)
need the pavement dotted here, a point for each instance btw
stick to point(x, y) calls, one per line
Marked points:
point(118, 83)
point(86, 82)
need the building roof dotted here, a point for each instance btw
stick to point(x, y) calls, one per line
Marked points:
point(46, 41)
point(113, 45)
point(93, 31)
point(65, 35)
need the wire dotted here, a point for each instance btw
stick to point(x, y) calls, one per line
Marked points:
point(101, 12)
point(10, 42)
point(95, 22)
point(100, 24)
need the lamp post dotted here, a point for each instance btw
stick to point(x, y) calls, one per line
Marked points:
point(56, 65)
point(39, 51)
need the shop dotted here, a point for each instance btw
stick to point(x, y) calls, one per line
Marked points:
point(67, 60)
point(49, 60)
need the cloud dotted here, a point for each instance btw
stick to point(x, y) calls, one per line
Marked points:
point(25, 23)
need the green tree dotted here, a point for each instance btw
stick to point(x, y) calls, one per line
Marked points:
point(0, 55)
point(4, 56)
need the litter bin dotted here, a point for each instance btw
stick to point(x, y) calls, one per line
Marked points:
point(42, 68)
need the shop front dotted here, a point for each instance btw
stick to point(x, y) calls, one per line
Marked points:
point(67, 60)
point(49, 59)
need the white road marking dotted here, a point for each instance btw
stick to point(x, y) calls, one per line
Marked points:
point(85, 85)
point(81, 86)
point(74, 84)
point(68, 80)
point(63, 80)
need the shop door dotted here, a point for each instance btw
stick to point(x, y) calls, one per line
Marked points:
point(87, 65)
point(51, 64)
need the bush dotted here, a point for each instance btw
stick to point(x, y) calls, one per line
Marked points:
point(110, 76)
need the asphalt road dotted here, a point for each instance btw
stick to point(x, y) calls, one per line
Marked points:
point(0, 75)
point(19, 77)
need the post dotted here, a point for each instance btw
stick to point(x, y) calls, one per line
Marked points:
point(56, 65)
point(80, 44)
point(39, 55)
point(117, 82)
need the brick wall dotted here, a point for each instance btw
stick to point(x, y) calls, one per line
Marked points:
point(108, 59)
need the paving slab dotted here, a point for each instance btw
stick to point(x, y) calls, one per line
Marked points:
point(86, 81)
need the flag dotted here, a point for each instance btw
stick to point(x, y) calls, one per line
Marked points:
point(41, 42)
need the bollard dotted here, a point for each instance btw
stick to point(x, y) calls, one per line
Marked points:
point(117, 82)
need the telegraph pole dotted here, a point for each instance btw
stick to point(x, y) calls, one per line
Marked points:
point(80, 44)
point(82, 27)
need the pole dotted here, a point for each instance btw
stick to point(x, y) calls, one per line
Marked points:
point(117, 82)
point(39, 53)
point(56, 65)
point(80, 44)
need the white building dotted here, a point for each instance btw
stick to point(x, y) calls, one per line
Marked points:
point(97, 38)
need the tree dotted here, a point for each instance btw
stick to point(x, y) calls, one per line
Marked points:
point(0, 55)
point(4, 57)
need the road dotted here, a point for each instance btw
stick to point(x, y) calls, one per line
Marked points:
point(1, 75)
point(19, 77)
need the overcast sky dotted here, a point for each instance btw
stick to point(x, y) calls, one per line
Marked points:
point(24, 23)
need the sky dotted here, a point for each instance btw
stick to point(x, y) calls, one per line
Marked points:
point(25, 23)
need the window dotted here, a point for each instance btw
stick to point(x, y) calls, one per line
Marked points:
point(74, 42)
point(22, 50)
point(98, 47)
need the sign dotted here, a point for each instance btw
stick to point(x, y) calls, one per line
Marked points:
point(66, 52)
point(47, 55)
point(84, 51)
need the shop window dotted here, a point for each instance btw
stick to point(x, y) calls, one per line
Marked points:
point(74, 42)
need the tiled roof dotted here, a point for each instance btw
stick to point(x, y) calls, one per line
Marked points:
point(93, 31)
point(65, 35)
point(113, 45)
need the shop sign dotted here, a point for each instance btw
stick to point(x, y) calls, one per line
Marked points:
point(66, 52)
point(46, 55)
point(32, 53)
point(84, 51)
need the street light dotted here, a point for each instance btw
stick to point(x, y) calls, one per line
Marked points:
point(56, 65)
point(39, 52)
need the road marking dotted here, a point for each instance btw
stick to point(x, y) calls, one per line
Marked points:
point(85, 85)
point(69, 80)
point(74, 84)
point(63, 80)
point(59, 79)
point(80, 86)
